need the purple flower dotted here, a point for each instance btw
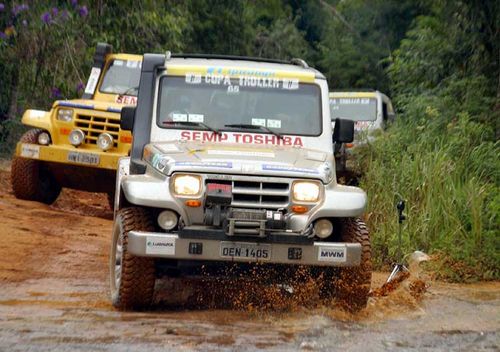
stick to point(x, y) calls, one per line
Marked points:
point(55, 93)
point(46, 18)
point(65, 15)
point(2, 7)
point(79, 87)
point(74, 3)
point(19, 8)
point(3, 35)
point(83, 11)
point(55, 11)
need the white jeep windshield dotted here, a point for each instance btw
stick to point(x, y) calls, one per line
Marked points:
point(218, 101)
point(122, 77)
point(356, 109)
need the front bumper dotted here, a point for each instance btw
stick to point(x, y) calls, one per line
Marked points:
point(161, 245)
point(69, 155)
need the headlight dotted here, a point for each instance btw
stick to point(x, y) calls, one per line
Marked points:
point(105, 141)
point(187, 185)
point(76, 137)
point(304, 191)
point(44, 138)
point(65, 115)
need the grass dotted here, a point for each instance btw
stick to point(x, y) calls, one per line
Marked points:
point(449, 176)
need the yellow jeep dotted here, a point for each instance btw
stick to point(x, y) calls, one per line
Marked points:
point(78, 142)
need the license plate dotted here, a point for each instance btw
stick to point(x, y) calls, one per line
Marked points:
point(83, 158)
point(253, 251)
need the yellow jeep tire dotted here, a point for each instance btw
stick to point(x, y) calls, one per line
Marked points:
point(30, 178)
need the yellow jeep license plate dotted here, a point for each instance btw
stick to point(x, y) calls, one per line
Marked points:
point(83, 158)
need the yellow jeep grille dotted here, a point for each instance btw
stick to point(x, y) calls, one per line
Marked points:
point(93, 126)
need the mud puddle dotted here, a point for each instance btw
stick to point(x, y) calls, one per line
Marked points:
point(54, 296)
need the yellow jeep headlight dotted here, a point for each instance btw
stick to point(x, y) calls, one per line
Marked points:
point(305, 191)
point(65, 115)
point(187, 185)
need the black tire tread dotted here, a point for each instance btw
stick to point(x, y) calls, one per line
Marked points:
point(29, 180)
point(353, 285)
point(138, 273)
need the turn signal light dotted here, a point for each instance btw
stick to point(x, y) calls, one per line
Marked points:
point(193, 203)
point(299, 209)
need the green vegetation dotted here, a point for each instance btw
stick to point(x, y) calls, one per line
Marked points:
point(438, 60)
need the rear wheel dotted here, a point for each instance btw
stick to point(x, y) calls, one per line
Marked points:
point(353, 284)
point(132, 278)
point(30, 178)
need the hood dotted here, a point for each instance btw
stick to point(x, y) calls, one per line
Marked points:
point(283, 161)
point(89, 104)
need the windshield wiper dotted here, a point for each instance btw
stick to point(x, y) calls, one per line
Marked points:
point(255, 127)
point(129, 91)
point(191, 123)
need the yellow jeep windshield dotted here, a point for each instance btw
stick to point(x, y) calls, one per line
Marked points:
point(122, 77)
point(285, 106)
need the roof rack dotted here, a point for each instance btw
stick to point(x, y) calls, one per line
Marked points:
point(295, 61)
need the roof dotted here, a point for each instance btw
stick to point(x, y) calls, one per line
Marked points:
point(124, 56)
point(179, 66)
point(361, 94)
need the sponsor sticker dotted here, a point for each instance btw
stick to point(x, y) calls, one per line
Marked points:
point(195, 117)
point(290, 83)
point(259, 122)
point(274, 123)
point(93, 79)
point(30, 151)
point(160, 245)
point(193, 78)
point(332, 254)
point(179, 117)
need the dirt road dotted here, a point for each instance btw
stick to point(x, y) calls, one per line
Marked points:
point(54, 296)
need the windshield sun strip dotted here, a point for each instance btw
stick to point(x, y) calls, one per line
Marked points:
point(219, 130)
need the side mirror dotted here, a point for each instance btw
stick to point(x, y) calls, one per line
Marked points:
point(343, 131)
point(127, 118)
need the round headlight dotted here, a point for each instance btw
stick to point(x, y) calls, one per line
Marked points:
point(305, 191)
point(167, 220)
point(65, 115)
point(43, 138)
point(323, 228)
point(105, 141)
point(187, 185)
point(76, 137)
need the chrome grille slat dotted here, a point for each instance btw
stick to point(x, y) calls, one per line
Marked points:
point(93, 125)
point(258, 192)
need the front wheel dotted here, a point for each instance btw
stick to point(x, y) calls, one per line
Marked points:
point(353, 285)
point(132, 278)
point(30, 178)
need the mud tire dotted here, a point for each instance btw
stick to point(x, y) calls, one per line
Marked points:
point(352, 287)
point(135, 288)
point(30, 178)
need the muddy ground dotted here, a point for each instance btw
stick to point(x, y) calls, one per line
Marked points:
point(54, 296)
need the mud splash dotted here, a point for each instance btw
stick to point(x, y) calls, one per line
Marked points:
point(54, 296)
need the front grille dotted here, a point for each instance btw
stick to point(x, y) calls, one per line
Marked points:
point(258, 194)
point(92, 126)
